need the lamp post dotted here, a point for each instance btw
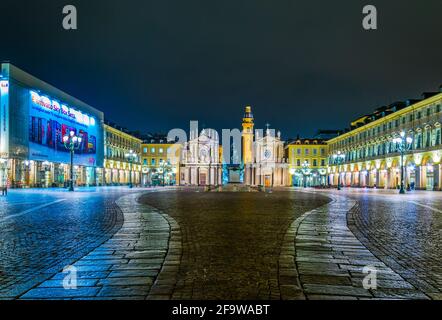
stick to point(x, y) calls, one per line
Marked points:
point(26, 177)
point(3, 172)
point(210, 165)
point(72, 143)
point(165, 168)
point(292, 173)
point(46, 167)
point(131, 156)
point(339, 159)
point(305, 172)
point(175, 171)
point(403, 144)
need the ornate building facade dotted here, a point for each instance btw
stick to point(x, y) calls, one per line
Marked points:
point(371, 158)
point(200, 160)
point(263, 156)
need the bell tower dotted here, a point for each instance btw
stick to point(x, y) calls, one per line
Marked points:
point(247, 136)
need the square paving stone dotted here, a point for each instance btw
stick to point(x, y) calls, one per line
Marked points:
point(123, 291)
point(330, 280)
point(59, 283)
point(129, 281)
point(336, 290)
point(133, 273)
point(58, 293)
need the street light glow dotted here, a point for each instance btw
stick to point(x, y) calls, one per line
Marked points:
point(72, 142)
point(403, 144)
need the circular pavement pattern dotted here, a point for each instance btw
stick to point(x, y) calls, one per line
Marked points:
point(231, 241)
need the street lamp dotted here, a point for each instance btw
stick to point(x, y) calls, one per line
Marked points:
point(72, 143)
point(339, 159)
point(175, 171)
point(292, 172)
point(403, 144)
point(165, 168)
point(305, 172)
point(3, 172)
point(131, 156)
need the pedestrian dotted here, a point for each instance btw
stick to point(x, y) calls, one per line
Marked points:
point(4, 191)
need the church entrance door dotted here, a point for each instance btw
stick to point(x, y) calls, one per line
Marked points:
point(203, 179)
point(268, 181)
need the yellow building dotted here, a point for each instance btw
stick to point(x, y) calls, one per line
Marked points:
point(118, 161)
point(160, 161)
point(307, 162)
point(371, 155)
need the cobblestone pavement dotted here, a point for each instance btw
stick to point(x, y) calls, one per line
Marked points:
point(330, 260)
point(41, 231)
point(404, 231)
point(232, 243)
point(127, 265)
point(186, 244)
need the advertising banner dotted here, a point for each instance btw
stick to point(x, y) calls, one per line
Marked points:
point(49, 121)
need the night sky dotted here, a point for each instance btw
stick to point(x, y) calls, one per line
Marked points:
point(302, 65)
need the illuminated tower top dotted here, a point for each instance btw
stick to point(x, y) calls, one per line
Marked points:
point(248, 115)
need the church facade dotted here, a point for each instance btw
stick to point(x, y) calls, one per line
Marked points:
point(200, 158)
point(263, 155)
point(261, 163)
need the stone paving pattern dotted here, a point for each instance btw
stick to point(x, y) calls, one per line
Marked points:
point(124, 267)
point(222, 245)
point(35, 245)
point(404, 235)
point(330, 259)
point(231, 242)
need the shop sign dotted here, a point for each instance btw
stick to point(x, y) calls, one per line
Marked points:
point(55, 106)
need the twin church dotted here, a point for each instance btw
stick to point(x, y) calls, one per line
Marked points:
point(262, 161)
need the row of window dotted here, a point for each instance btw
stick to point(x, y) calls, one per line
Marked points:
point(116, 140)
point(307, 151)
point(314, 162)
point(426, 139)
point(152, 161)
point(116, 153)
point(153, 150)
point(393, 124)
